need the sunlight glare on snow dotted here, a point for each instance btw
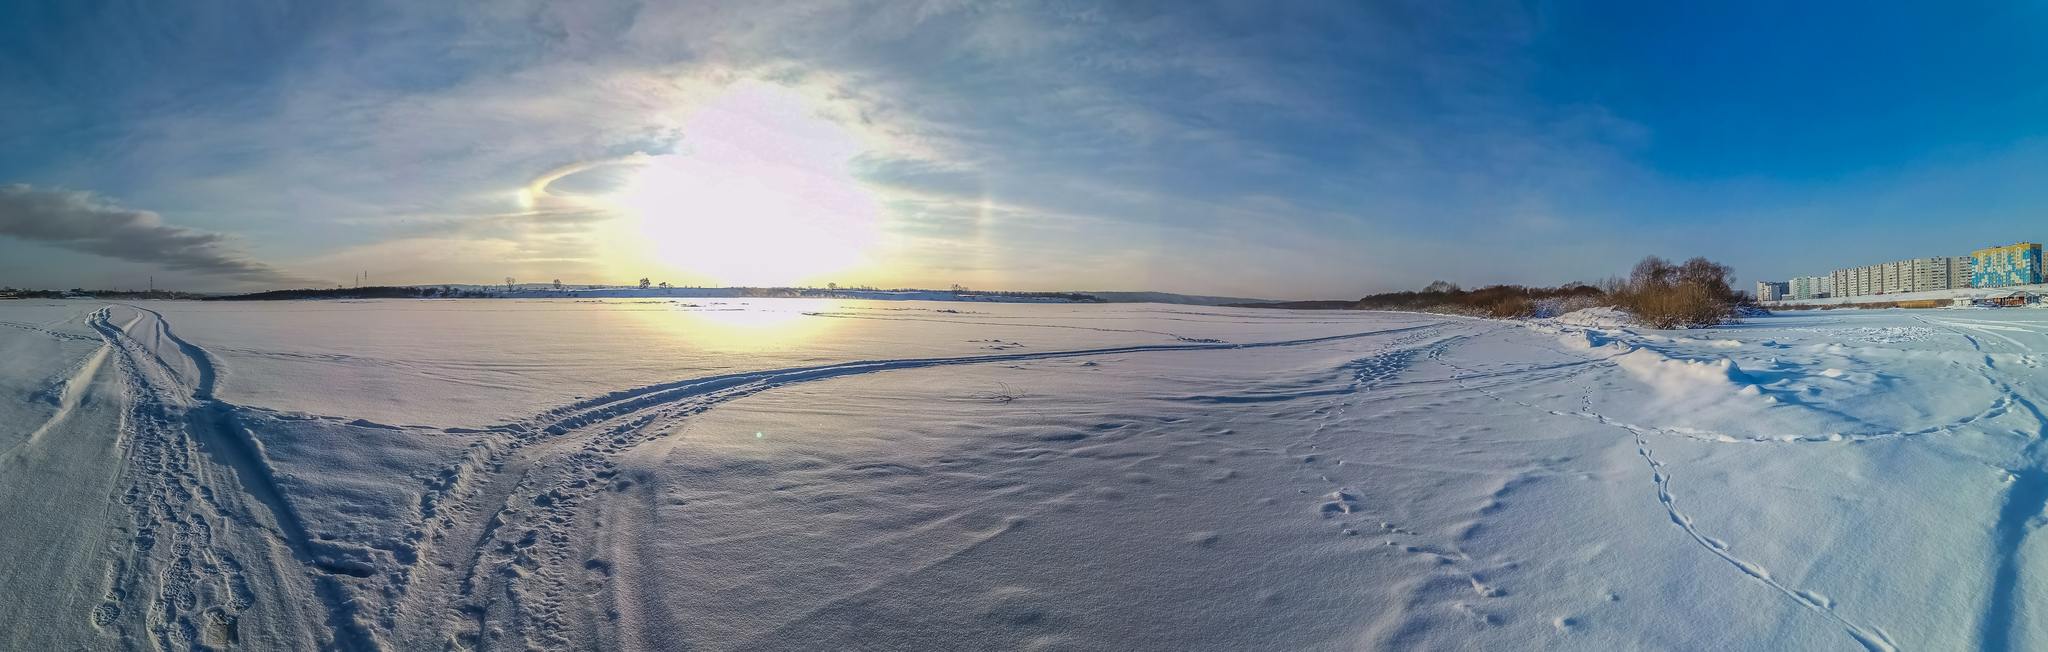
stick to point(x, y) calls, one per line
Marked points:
point(761, 194)
point(737, 326)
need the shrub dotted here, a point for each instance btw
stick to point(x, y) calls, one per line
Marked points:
point(1499, 301)
point(1661, 294)
point(1694, 294)
point(1512, 308)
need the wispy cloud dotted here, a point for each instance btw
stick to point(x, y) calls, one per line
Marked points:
point(1000, 137)
point(80, 221)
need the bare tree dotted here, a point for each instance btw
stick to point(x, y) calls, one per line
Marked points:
point(1666, 295)
point(508, 284)
point(1713, 276)
point(644, 283)
point(1653, 271)
point(558, 285)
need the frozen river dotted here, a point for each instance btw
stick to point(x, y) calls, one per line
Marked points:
point(709, 474)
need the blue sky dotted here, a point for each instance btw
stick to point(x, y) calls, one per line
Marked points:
point(1286, 150)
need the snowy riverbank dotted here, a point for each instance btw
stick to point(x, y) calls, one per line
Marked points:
point(803, 474)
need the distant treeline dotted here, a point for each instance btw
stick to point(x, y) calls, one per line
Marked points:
point(31, 294)
point(1500, 301)
point(376, 292)
point(1298, 305)
point(97, 294)
point(1658, 292)
point(1067, 296)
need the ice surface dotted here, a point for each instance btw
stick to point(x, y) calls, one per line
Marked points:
point(474, 363)
point(788, 474)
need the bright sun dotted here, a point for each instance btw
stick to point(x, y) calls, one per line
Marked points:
point(762, 196)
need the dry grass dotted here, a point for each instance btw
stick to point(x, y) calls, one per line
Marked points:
point(1512, 308)
point(1664, 295)
point(1497, 301)
point(1660, 293)
point(1677, 305)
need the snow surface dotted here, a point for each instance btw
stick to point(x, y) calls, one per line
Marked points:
point(848, 475)
point(537, 291)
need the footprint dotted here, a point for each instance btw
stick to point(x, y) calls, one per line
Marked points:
point(1337, 503)
point(105, 614)
point(1815, 599)
point(1485, 591)
point(221, 628)
point(1481, 618)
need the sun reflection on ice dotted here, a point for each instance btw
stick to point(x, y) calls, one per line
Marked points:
point(735, 325)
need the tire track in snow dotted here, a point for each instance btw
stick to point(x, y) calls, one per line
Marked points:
point(1987, 330)
point(2003, 406)
point(214, 542)
point(34, 328)
point(577, 414)
point(497, 521)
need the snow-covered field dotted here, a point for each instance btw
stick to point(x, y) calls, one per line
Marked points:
point(769, 474)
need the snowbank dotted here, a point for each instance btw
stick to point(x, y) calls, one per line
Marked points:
point(1602, 317)
point(1682, 378)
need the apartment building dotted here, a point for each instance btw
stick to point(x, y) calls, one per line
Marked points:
point(1811, 287)
point(2017, 264)
point(1773, 290)
point(1915, 275)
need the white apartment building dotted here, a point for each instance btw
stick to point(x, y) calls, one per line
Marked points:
point(1812, 287)
point(1772, 290)
point(1915, 275)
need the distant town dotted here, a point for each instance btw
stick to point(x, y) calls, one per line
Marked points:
point(1998, 267)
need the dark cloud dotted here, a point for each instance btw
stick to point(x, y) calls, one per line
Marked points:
point(78, 221)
